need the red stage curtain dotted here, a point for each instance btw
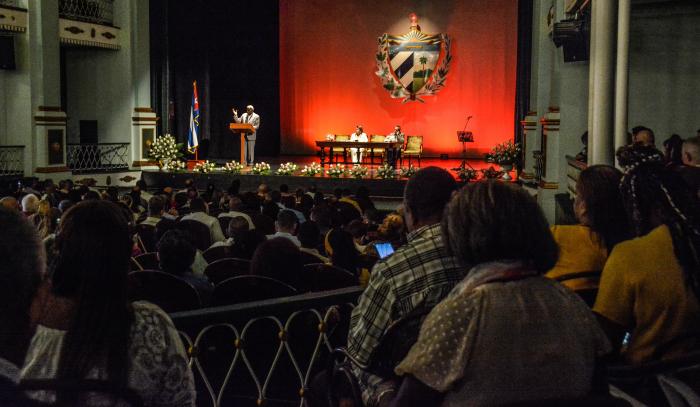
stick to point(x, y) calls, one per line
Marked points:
point(327, 80)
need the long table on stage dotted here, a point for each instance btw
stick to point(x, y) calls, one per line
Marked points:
point(345, 145)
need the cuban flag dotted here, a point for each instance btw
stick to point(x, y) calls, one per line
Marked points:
point(193, 134)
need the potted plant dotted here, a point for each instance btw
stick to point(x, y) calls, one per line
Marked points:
point(505, 154)
point(386, 171)
point(165, 149)
point(466, 174)
point(408, 172)
point(336, 170)
point(491, 173)
point(204, 167)
point(262, 168)
point(311, 170)
point(286, 169)
point(233, 167)
point(358, 171)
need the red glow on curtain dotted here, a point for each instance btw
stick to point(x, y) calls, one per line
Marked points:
point(328, 84)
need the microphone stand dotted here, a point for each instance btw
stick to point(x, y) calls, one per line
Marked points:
point(464, 147)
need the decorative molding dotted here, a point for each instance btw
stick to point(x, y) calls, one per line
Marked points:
point(13, 19)
point(553, 109)
point(548, 185)
point(49, 119)
point(48, 170)
point(144, 119)
point(531, 113)
point(526, 175)
point(50, 109)
point(144, 163)
point(84, 34)
point(143, 110)
point(127, 178)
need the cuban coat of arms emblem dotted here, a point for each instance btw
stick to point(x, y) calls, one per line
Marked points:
point(414, 64)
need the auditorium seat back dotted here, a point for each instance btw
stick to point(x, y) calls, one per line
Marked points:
point(145, 261)
point(198, 232)
point(169, 292)
point(223, 269)
point(241, 289)
point(321, 277)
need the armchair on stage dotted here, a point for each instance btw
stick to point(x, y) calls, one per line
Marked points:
point(414, 148)
point(243, 129)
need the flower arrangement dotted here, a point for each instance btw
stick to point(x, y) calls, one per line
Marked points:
point(174, 166)
point(491, 173)
point(336, 170)
point(165, 149)
point(330, 137)
point(233, 167)
point(506, 153)
point(204, 167)
point(466, 174)
point(311, 170)
point(358, 171)
point(262, 168)
point(408, 172)
point(386, 171)
point(287, 169)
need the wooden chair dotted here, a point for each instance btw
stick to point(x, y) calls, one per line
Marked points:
point(146, 261)
point(339, 151)
point(147, 237)
point(414, 148)
point(322, 277)
point(589, 293)
point(377, 152)
point(165, 290)
point(213, 254)
point(240, 289)
point(198, 231)
point(224, 269)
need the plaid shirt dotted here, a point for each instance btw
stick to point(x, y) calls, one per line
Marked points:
point(419, 274)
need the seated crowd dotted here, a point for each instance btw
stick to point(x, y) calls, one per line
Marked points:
point(480, 303)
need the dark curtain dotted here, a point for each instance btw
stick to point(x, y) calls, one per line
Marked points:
point(231, 48)
point(524, 66)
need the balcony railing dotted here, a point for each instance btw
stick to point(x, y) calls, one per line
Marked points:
point(104, 157)
point(91, 11)
point(11, 161)
point(265, 351)
point(11, 3)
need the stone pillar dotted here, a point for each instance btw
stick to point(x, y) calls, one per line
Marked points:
point(622, 73)
point(602, 72)
point(529, 124)
point(48, 143)
point(550, 147)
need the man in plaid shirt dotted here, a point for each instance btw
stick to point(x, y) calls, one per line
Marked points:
point(418, 275)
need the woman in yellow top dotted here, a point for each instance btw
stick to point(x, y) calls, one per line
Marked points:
point(603, 224)
point(650, 285)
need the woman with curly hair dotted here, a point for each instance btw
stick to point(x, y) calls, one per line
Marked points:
point(650, 285)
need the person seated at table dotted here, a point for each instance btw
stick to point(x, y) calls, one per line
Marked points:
point(358, 135)
point(392, 153)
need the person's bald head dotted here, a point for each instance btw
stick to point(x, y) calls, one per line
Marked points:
point(10, 202)
point(691, 151)
point(645, 137)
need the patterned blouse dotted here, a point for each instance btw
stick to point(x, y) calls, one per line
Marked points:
point(158, 369)
point(494, 341)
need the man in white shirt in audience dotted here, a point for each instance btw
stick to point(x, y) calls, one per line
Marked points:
point(234, 209)
point(286, 226)
point(358, 135)
point(156, 207)
point(199, 214)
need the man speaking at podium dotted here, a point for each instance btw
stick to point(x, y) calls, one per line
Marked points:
point(252, 118)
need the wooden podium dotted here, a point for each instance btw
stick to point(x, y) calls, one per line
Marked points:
point(243, 129)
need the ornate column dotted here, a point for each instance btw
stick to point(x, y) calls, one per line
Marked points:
point(143, 134)
point(602, 74)
point(549, 163)
point(622, 72)
point(48, 142)
point(529, 124)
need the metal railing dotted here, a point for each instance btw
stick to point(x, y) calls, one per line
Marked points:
point(11, 3)
point(91, 11)
point(539, 165)
point(265, 351)
point(11, 160)
point(103, 157)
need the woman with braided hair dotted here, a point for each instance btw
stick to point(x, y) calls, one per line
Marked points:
point(650, 285)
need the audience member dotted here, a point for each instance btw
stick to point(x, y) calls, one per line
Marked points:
point(690, 170)
point(468, 351)
point(11, 203)
point(643, 135)
point(88, 329)
point(341, 249)
point(64, 205)
point(45, 219)
point(156, 208)
point(417, 276)
point(235, 205)
point(673, 151)
point(650, 285)
point(176, 255)
point(237, 227)
point(286, 227)
point(289, 203)
point(603, 224)
point(310, 237)
point(199, 214)
point(21, 274)
point(30, 204)
point(280, 259)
